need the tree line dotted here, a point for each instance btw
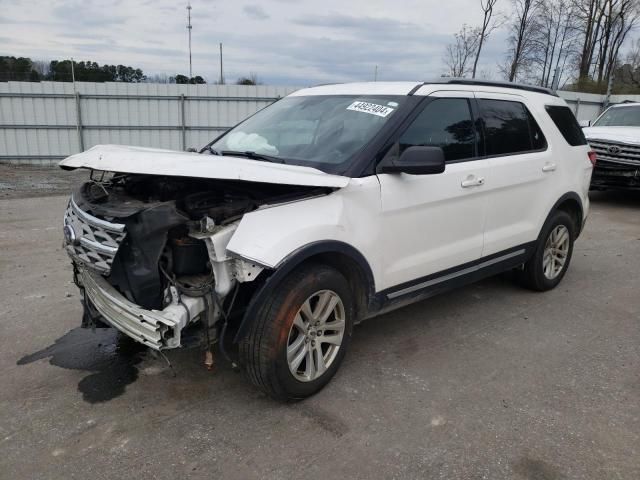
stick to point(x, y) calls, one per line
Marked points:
point(554, 43)
point(26, 70)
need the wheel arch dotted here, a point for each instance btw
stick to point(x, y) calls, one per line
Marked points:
point(571, 203)
point(343, 257)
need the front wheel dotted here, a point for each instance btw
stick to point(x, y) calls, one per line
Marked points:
point(552, 254)
point(300, 335)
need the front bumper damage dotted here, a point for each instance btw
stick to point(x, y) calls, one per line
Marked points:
point(157, 329)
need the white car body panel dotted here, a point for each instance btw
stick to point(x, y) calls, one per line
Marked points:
point(629, 135)
point(117, 158)
point(430, 223)
point(350, 215)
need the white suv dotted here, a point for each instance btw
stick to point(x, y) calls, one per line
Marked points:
point(615, 137)
point(334, 204)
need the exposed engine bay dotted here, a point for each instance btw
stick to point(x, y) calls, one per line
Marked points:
point(160, 243)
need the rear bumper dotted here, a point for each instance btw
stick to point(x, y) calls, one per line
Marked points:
point(153, 328)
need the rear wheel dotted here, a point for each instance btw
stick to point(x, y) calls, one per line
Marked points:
point(300, 335)
point(552, 255)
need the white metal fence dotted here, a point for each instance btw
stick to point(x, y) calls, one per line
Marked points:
point(41, 123)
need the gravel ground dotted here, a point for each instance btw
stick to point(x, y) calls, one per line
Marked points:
point(490, 381)
point(21, 181)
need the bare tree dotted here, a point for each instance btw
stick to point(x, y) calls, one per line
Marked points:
point(489, 24)
point(522, 46)
point(627, 76)
point(554, 40)
point(604, 26)
point(459, 53)
point(619, 19)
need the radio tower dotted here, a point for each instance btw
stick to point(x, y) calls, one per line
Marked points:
point(189, 27)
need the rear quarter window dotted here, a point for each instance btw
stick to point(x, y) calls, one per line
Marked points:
point(566, 122)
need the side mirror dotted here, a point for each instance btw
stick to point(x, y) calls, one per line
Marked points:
point(417, 161)
point(585, 123)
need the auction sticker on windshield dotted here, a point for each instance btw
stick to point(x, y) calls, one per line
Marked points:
point(371, 108)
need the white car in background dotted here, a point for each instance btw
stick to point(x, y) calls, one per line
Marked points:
point(615, 137)
point(333, 205)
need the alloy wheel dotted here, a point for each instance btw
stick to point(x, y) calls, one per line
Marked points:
point(316, 335)
point(556, 250)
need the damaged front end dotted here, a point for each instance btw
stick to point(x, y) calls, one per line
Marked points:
point(149, 252)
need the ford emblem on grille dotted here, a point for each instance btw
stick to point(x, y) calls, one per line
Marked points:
point(613, 149)
point(70, 235)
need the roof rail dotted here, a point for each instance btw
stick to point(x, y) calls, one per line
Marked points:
point(491, 83)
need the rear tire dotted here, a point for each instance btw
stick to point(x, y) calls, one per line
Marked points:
point(552, 255)
point(300, 335)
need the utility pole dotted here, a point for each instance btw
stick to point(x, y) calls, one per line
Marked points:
point(556, 79)
point(73, 75)
point(609, 88)
point(189, 27)
point(221, 75)
point(375, 74)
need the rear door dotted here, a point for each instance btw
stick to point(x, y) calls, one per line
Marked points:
point(432, 223)
point(521, 174)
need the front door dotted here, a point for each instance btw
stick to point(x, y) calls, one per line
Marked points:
point(431, 223)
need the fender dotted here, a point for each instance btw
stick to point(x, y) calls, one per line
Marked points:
point(562, 199)
point(293, 260)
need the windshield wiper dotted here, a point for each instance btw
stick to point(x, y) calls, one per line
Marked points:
point(254, 156)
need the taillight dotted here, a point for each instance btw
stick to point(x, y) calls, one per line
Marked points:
point(592, 157)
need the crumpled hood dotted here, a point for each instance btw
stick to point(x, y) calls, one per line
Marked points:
point(614, 134)
point(153, 161)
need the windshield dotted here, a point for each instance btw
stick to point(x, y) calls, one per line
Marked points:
point(620, 117)
point(324, 132)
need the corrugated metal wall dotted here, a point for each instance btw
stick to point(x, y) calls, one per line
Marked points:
point(40, 123)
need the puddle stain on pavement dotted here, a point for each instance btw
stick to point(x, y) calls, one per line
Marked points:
point(112, 358)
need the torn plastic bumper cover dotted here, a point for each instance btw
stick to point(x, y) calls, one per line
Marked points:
point(158, 329)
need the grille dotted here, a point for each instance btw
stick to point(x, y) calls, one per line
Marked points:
point(90, 240)
point(616, 152)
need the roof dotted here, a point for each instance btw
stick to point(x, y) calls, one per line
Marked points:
point(369, 88)
point(408, 88)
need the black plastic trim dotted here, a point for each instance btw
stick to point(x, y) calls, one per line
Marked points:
point(291, 261)
point(460, 275)
point(489, 83)
point(564, 198)
point(416, 88)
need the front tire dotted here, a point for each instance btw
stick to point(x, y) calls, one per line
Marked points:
point(552, 254)
point(300, 335)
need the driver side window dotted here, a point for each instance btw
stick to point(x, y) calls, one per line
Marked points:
point(444, 123)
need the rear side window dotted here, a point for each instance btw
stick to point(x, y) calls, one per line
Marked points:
point(445, 123)
point(509, 128)
point(566, 122)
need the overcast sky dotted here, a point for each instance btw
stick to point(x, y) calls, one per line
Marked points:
point(282, 41)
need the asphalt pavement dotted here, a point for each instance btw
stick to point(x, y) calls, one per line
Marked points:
point(489, 381)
